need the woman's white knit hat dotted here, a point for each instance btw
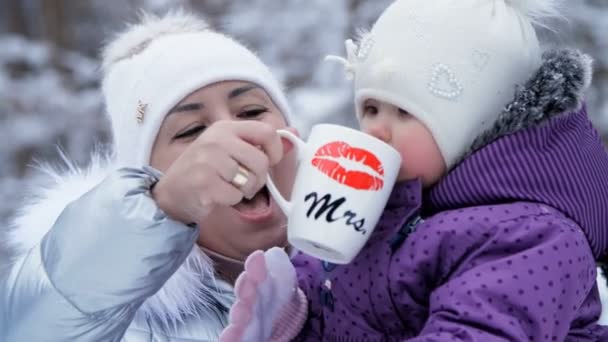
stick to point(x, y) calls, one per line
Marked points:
point(153, 65)
point(454, 64)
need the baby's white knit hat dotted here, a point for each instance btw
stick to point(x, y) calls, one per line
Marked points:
point(153, 65)
point(454, 64)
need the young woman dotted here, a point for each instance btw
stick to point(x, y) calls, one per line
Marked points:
point(146, 245)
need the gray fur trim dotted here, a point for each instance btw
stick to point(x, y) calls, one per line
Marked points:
point(557, 87)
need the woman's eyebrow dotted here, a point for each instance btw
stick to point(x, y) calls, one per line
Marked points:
point(188, 107)
point(241, 90)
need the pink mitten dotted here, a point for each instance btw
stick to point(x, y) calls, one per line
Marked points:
point(268, 306)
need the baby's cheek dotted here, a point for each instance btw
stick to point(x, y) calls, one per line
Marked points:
point(417, 161)
point(407, 171)
point(404, 175)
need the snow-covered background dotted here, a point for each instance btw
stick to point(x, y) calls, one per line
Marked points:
point(49, 67)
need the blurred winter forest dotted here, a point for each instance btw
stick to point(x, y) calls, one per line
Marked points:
point(49, 66)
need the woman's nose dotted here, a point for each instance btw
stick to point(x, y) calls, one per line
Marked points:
point(380, 129)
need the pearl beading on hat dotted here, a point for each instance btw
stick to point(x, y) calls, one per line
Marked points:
point(442, 70)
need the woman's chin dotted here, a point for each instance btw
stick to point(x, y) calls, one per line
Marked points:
point(274, 235)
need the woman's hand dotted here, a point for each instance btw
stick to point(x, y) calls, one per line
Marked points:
point(201, 177)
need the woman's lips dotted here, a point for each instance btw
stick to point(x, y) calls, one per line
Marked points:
point(259, 208)
point(355, 179)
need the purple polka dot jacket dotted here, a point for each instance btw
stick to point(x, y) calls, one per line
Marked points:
point(503, 248)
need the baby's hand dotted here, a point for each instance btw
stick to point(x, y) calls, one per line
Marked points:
point(268, 305)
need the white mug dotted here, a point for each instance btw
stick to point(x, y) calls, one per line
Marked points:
point(342, 184)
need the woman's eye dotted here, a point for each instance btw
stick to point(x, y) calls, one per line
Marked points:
point(194, 131)
point(252, 113)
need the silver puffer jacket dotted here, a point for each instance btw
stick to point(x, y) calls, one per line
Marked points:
point(92, 258)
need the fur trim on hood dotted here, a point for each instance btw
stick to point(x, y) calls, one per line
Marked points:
point(191, 290)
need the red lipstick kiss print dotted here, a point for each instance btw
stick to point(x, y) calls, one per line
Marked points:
point(327, 159)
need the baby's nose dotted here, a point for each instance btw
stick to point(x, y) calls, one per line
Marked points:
point(380, 130)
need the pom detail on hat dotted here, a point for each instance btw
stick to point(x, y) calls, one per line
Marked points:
point(537, 11)
point(150, 26)
point(364, 43)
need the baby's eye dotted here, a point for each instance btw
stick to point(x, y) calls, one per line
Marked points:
point(370, 110)
point(403, 112)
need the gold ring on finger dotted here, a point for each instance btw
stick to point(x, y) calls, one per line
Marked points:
point(241, 177)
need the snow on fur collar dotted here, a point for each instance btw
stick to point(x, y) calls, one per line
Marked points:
point(557, 87)
point(193, 288)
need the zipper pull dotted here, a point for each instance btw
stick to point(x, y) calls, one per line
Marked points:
point(404, 232)
point(327, 299)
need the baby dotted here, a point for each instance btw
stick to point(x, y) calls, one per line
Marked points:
point(498, 216)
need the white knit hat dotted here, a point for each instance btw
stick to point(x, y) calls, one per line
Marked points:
point(152, 66)
point(454, 64)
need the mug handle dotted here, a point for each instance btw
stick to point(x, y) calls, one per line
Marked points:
point(300, 146)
